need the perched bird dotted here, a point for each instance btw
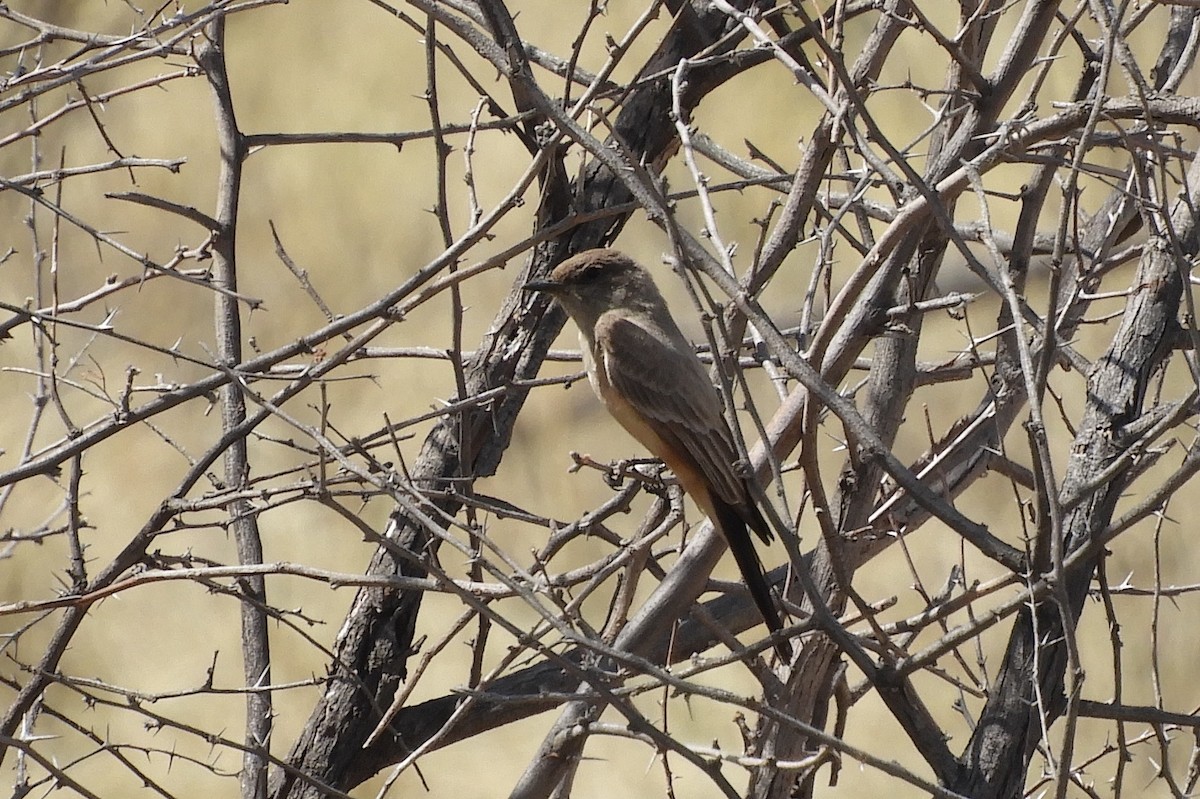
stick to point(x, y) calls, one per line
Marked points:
point(649, 378)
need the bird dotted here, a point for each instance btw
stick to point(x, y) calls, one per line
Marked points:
point(646, 374)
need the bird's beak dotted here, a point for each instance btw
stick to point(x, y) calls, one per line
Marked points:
point(542, 285)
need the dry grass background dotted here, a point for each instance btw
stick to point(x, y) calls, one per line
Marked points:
point(356, 217)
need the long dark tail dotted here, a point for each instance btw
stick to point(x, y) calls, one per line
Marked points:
point(737, 534)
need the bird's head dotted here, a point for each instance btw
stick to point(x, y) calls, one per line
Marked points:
point(595, 281)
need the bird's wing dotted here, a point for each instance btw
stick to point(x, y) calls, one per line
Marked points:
point(668, 386)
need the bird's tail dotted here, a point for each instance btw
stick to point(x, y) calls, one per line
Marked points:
point(737, 535)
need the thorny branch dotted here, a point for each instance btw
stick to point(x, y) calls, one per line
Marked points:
point(942, 267)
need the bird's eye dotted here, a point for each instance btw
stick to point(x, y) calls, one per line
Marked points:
point(588, 274)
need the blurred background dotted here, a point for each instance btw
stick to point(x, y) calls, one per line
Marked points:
point(356, 217)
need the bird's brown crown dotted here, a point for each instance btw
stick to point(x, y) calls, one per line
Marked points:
point(595, 267)
point(596, 280)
